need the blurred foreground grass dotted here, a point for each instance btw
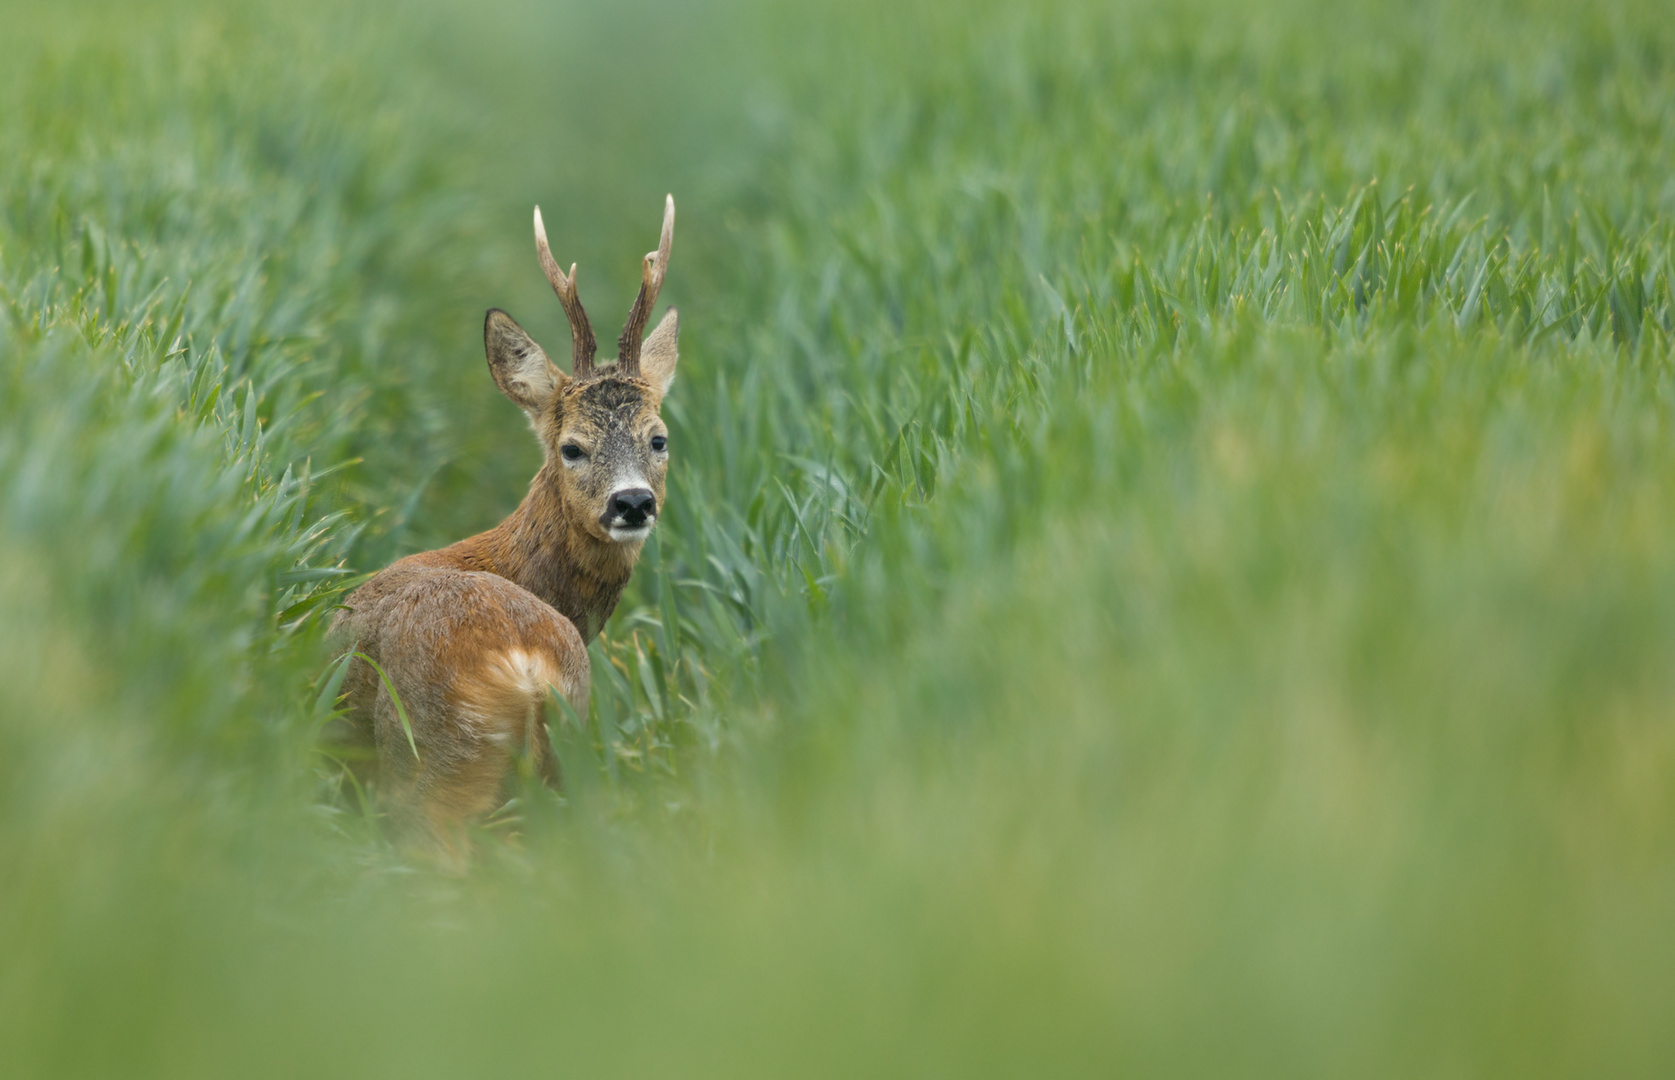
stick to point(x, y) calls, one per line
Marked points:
point(1168, 567)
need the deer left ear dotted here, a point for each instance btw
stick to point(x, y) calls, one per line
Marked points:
point(520, 368)
point(657, 356)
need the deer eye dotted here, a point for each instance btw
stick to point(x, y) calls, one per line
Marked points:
point(572, 452)
point(659, 443)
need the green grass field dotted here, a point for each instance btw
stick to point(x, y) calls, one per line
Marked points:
point(1170, 564)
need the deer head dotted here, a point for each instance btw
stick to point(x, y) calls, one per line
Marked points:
point(606, 446)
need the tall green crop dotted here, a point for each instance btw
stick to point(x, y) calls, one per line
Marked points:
point(1166, 570)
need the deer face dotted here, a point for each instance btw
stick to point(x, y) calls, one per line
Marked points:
point(612, 451)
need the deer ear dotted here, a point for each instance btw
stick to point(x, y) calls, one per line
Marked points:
point(657, 355)
point(520, 368)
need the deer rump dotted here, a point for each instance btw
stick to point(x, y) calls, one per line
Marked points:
point(472, 656)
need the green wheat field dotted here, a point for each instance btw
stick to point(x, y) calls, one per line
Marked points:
point(1169, 566)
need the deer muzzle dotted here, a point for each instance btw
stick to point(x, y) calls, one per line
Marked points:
point(630, 513)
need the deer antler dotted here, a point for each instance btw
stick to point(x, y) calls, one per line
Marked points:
point(582, 345)
point(651, 280)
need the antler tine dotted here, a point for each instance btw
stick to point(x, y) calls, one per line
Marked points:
point(582, 344)
point(656, 264)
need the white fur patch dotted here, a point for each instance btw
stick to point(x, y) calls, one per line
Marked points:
point(531, 673)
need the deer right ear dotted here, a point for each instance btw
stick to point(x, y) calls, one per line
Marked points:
point(520, 368)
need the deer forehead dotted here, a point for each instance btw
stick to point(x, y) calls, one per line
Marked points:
point(607, 407)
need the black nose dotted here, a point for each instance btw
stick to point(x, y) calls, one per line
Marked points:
point(634, 506)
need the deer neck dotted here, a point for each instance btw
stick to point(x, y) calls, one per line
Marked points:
point(544, 549)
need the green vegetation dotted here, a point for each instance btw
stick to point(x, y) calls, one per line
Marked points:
point(1170, 567)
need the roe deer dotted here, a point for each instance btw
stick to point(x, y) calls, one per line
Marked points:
point(472, 635)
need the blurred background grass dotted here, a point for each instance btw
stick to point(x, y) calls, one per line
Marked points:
point(1167, 571)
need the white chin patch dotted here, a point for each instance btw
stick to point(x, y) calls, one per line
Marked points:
point(624, 534)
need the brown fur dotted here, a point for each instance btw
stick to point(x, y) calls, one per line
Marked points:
point(472, 635)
